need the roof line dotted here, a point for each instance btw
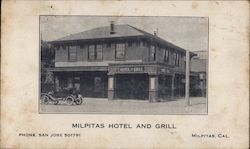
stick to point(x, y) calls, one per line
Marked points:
point(146, 34)
point(157, 37)
point(200, 51)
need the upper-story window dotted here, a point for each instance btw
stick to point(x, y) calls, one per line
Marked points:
point(141, 43)
point(108, 45)
point(72, 53)
point(166, 55)
point(82, 46)
point(64, 47)
point(184, 61)
point(95, 52)
point(181, 60)
point(137, 43)
point(130, 44)
point(99, 52)
point(91, 52)
point(57, 48)
point(120, 51)
point(134, 43)
point(176, 59)
point(152, 53)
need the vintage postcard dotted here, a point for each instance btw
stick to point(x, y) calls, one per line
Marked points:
point(125, 66)
point(125, 74)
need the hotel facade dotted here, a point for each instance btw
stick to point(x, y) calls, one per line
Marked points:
point(120, 62)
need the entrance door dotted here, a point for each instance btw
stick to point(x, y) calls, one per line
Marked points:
point(132, 86)
point(94, 84)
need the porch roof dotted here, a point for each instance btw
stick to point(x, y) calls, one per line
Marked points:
point(83, 68)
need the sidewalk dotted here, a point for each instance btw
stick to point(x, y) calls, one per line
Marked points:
point(105, 106)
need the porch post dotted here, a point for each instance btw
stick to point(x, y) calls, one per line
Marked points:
point(111, 87)
point(153, 88)
point(57, 85)
point(172, 86)
point(187, 78)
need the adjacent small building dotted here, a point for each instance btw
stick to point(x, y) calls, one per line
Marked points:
point(199, 66)
point(120, 62)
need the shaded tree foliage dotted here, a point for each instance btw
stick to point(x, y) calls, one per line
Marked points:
point(47, 61)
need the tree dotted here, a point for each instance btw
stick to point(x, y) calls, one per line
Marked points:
point(47, 61)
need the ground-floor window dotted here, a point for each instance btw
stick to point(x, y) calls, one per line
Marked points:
point(89, 84)
point(98, 85)
point(165, 84)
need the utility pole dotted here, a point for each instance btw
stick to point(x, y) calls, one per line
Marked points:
point(187, 77)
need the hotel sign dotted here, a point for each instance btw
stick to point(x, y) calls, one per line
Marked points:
point(125, 69)
point(164, 70)
point(131, 69)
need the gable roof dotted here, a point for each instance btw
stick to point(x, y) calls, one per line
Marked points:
point(123, 30)
point(103, 32)
point(157, 38)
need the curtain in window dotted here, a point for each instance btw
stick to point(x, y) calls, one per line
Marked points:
point(72, 53)
point(166, 55)
point(98, 52)
point(120, 51)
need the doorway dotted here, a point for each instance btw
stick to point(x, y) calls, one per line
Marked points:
point(131, 86)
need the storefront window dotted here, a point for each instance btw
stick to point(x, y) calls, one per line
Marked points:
point(72, 53)
point(70, 82)
point(98, 84)
point(120, 51)
point(77, 83)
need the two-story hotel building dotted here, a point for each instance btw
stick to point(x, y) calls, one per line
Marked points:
point(119, 62)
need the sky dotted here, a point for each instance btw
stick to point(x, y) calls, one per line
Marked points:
point(187, 32)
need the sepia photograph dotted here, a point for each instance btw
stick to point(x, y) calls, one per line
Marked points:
point(125, 74)
point(123, 65)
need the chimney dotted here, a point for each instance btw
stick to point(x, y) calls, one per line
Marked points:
point(156, 32)
point(112, 27)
